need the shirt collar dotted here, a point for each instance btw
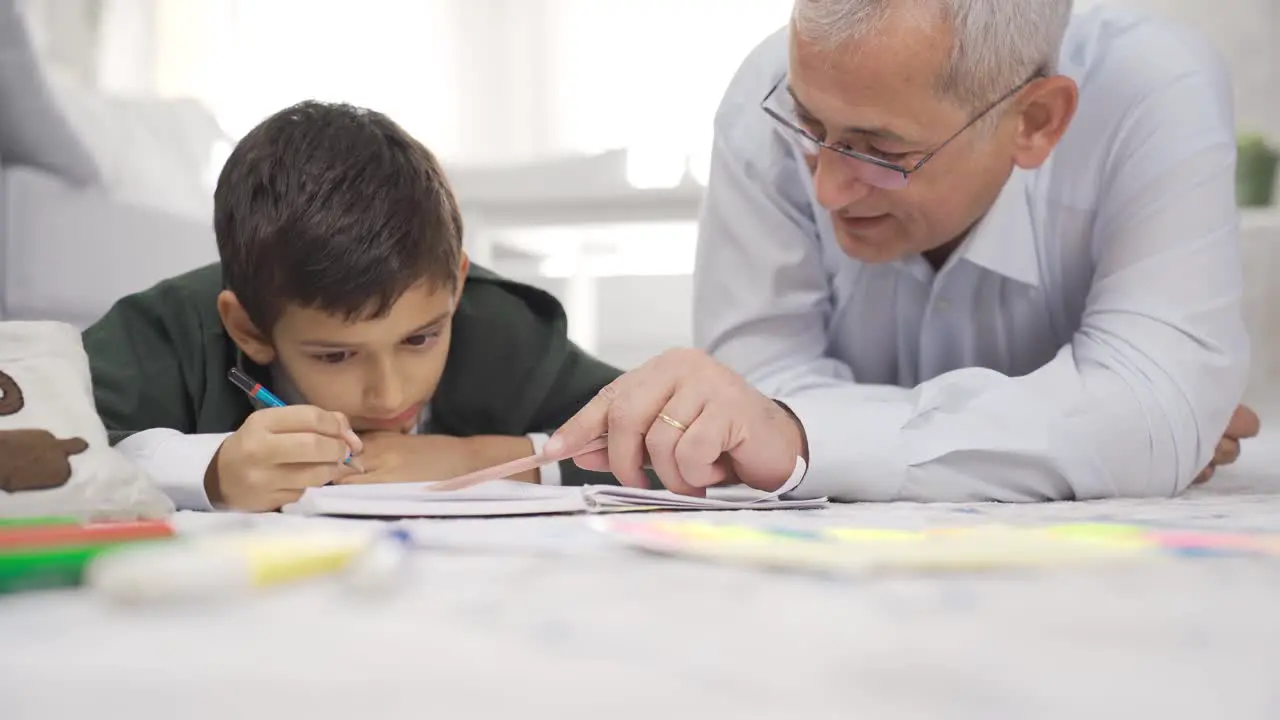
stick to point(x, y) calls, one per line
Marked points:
point(1003, 241)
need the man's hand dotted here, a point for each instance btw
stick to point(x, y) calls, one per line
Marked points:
point(277, 454)
point(696, 422)
point(1244, 424)
point(395, 457)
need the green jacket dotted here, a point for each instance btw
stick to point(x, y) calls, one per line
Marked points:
point(159, 359)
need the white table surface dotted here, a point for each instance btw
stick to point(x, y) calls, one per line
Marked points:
point(541, 618)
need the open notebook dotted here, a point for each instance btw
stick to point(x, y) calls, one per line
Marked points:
point(509, 497)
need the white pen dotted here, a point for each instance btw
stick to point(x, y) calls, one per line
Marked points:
point(215, 565)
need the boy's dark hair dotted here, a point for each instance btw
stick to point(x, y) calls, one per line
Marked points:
point(333, 207)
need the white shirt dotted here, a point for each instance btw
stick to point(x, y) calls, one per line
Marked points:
point(1086, 339)
point(177, 462)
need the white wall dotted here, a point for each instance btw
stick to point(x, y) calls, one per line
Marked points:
point(1261, 250)
point(636, 317)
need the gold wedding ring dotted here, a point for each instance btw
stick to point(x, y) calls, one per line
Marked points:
point(672, 422)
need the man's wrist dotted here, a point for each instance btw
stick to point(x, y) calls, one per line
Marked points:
point(800, 439)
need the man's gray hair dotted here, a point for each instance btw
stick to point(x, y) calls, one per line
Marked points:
point(997, 43)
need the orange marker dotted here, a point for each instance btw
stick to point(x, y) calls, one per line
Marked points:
point(91, 534)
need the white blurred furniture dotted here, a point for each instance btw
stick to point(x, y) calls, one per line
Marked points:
point(99, 196)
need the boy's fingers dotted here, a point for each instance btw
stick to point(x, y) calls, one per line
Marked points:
point(301, 477)
point(352, 439)
point(305, 447)
point(281, 498)
point(304, 418)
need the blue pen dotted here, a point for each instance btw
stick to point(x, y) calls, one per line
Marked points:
point(268, 398)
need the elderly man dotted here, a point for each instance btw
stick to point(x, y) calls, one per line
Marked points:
point(956, 250)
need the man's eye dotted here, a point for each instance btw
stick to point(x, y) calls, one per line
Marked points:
point(334, 358)
point(811, 126)
point(892, 157)
point(421, 339)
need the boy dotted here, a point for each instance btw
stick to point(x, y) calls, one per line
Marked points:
point(344, 289)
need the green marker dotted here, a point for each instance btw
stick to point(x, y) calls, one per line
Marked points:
point(37, 568)
point(38, 521)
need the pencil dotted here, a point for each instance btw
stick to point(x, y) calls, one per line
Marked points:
point(514, 467)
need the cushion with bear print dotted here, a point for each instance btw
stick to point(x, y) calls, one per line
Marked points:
point(54, 454)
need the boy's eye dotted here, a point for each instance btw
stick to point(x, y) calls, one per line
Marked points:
point(421, 339)
point(333, 358)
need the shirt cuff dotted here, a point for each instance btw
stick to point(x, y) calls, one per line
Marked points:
point(177, 463)
point(855, 450)
point(548, 474)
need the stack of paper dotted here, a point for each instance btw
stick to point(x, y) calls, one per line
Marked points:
point(509, 497)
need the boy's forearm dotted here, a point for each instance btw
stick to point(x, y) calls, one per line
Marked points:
point(486, 451)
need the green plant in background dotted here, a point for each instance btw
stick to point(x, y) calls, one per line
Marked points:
point(1255, 171)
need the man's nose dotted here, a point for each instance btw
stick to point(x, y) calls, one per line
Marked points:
point(836, 181)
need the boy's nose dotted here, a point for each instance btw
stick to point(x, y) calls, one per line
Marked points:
point(385, 395)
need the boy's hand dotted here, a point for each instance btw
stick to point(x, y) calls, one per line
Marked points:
point(394, 457)
point(277, 454)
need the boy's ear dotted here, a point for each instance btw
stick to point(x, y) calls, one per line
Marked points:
point(243, 331)
point(463, 267)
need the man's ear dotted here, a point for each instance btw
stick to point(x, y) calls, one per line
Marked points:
point(1046, 109)
point(463, 267)
point(243, 331)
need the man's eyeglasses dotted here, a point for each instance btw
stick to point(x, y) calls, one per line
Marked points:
point(871, 170)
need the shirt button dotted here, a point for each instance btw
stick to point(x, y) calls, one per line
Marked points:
point(942, 305)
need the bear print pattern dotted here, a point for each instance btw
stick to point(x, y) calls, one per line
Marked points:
point(31, 459)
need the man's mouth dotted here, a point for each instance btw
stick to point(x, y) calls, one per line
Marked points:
point(864, 223)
